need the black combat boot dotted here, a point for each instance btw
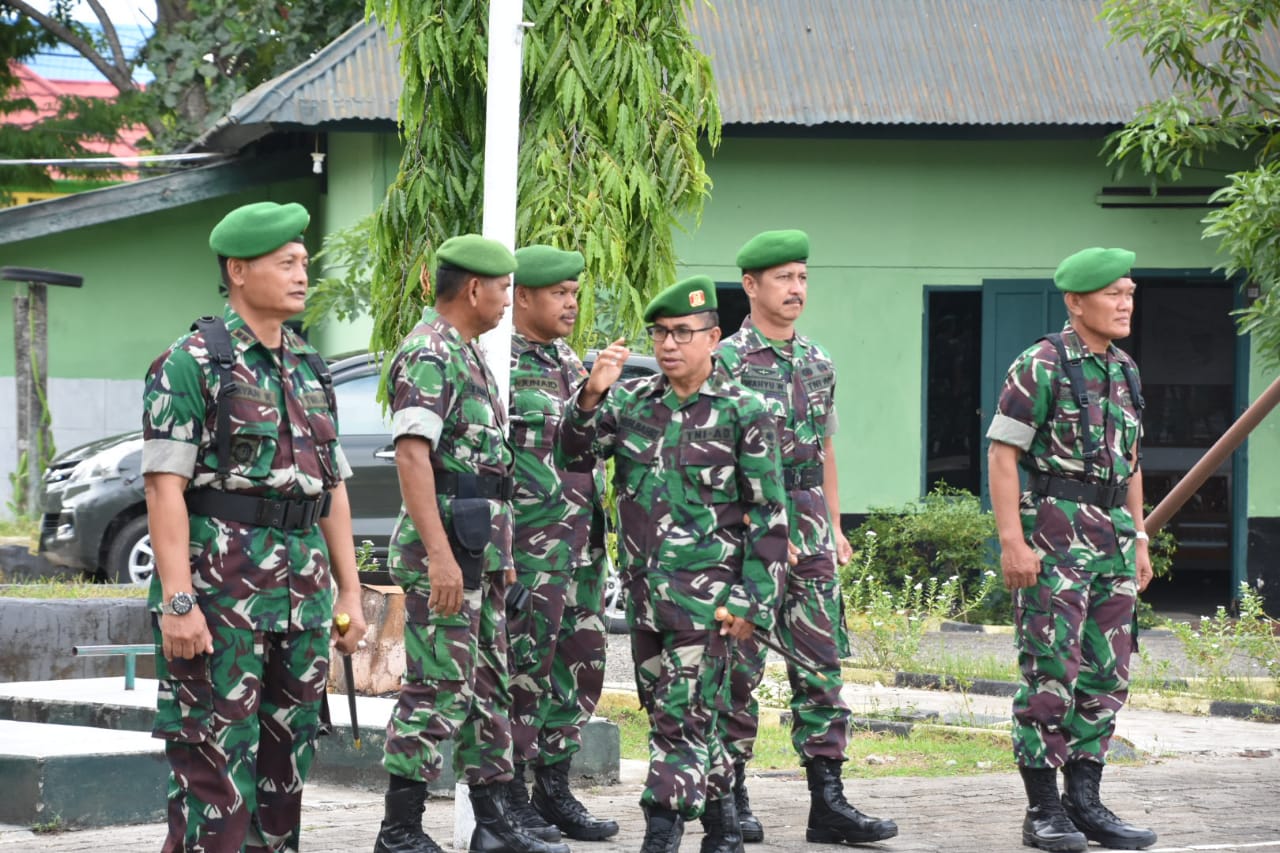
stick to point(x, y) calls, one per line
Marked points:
point(663, 829)
point(401, 830)
point(495, 833)
point(553, 801)
point(521, 811)
point(1046, 825)
point(720, 822)
point(831, 819)
point(751, 829)
point(1084, 806)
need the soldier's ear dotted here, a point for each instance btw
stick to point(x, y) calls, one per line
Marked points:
point(749, 284)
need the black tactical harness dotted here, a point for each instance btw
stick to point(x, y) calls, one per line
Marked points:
point(1067, 488)
point(295, 514)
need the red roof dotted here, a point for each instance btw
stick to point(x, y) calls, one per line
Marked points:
point(44, 93)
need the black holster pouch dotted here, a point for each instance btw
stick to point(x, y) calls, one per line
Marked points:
point(468, 537)
point(517, 599)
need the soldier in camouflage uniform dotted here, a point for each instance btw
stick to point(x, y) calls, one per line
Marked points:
point(701, 526)
point(451, 553)
point(557, 638)
point(1073, 549)
point(796, 377)
point(250, 526)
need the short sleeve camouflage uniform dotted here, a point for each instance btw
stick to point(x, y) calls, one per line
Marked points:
point(558, 643)
point(686, 473)
point(241, 723)
point(797, 382)
point(456, 677)
point(1079, 615)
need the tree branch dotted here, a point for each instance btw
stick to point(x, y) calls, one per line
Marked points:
point(123, 81)
point(113, 38)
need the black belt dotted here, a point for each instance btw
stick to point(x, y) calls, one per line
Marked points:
point(466, 485)
point(795, 479)
point(297, 514)
point(1066, 489)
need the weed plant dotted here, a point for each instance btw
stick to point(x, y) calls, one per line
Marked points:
point(1214, 646)
point(888, 618)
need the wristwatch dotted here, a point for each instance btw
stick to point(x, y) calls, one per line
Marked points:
point(1142, 536)
point(179, 605)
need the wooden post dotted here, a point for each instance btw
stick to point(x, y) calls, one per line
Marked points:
point(22, 396)
point(31, 372)
point(39, 420)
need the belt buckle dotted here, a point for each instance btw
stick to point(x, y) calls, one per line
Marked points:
point(268, 513)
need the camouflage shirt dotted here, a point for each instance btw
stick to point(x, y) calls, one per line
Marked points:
point(1037, 414)
point(552, 508)
point(284, 444)
point(442, 391)
point(686, 474)
point(798, 383)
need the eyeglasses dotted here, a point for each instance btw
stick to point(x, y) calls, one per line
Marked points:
point(682, 334)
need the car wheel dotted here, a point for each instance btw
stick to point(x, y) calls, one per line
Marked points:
point(130, 558)
point(615, 604)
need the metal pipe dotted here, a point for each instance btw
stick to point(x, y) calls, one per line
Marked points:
point(1214, 457)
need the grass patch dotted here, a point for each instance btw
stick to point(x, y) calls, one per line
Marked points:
point(965, 668)
point(19, 528)
point(927, 751)
point(58, 588)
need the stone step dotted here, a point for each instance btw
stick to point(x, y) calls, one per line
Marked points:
point(63, 776)
point(101, 704)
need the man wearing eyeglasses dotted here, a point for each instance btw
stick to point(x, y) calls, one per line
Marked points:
point(701, 526)
point(796, 378)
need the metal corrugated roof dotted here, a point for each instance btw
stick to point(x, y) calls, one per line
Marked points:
point(809, 62)
point(921, 62)
point(356, 77)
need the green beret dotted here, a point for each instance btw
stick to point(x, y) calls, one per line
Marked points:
point(256, 229)
point(691, 296)
point(1093, 269)
point(542, 266)
point(773, 248)
point(477, 254)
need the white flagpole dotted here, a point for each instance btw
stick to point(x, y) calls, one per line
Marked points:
point(501, 151)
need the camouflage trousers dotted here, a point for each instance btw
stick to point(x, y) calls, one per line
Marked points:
point(454, 687)
point(557, 662)
point(809, 623)
point(1074, 637)
point(682, 680)
point(240, 727)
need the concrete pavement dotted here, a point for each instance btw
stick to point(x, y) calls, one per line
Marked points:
point(1195, 803)
point(1209, 784)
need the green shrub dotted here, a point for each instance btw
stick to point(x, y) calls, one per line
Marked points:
point(942, 535)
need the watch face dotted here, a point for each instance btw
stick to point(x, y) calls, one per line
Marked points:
point(181, 603)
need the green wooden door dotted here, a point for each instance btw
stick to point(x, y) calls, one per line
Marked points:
point(1014, 313)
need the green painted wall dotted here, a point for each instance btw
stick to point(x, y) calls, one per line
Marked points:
point(135, 302)
point(1264, 448)
point(360, 167)
point(886, 218)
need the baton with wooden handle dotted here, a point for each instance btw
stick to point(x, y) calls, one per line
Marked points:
point(723, 615)
point(342, 622)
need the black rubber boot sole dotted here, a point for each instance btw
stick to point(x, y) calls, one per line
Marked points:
point(833, 836)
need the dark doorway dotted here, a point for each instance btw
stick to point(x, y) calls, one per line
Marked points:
point(1184, 340)
point(733, 306)
point(953, 429)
